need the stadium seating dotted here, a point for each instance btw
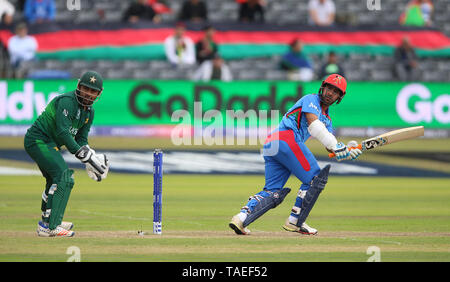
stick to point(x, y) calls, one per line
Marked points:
point(277, 11)
point(281, 11)
point(378, 69)
point(357, 66)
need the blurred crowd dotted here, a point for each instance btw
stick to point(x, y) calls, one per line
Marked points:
point(180, 50)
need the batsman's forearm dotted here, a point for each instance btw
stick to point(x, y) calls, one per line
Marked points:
point(318, 130)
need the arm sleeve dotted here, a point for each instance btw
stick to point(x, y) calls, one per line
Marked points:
point(63, 118)
point(82, 136)
point(317, 130)
point(310, 105)
point(330, 128)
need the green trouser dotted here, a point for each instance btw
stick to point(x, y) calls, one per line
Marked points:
point(58, 176)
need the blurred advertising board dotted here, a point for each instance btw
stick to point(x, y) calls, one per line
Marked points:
point(140, 104)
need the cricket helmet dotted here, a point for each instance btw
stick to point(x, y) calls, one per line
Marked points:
point(337, 81)
point(92, 80)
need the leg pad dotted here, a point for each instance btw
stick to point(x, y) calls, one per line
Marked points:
point(317, 185)
point(60, 198)
point(266, 203)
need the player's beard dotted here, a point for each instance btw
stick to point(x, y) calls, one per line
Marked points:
point(85, 100)
point(326, 100)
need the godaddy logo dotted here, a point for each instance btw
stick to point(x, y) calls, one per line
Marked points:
point(423, 108)
point(22, 105)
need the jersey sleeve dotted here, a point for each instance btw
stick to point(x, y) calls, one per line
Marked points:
point(82, 136)
point(65, 112)
point(310, 105)
point(330, 128)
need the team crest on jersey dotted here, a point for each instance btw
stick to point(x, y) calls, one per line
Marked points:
point(65, 112)
point(86, 121)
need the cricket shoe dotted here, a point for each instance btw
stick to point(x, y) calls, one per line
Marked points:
point(66, 225)
point(44, 231)
point(304, 229)
point(237, 225)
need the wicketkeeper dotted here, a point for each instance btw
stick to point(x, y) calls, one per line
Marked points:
point(285, 153)
point(66, 121)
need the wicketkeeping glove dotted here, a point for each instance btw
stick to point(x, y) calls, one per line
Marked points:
point(92, 173)
point(354, 152)
point(86, 155)
point(341, 151)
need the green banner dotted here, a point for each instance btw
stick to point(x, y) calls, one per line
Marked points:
point(142, 103)
point(228, 51)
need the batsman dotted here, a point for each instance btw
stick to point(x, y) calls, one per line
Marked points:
point(285, 153)
point(66, 121)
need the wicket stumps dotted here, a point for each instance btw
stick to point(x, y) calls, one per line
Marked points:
point(157, 191)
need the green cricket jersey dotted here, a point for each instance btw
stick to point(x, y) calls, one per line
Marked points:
point(65, 122)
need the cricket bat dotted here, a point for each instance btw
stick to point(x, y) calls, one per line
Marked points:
point(388, 138)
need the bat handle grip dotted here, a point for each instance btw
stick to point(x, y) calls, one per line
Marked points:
point(332, 155)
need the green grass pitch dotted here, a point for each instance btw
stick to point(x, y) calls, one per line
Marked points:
point(406, 219)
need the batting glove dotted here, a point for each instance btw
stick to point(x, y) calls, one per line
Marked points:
point(354, 152)
point(341, 151)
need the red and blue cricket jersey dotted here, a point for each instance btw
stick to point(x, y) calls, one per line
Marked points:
point(295, 119)
point(285, 152)
point(291, 156)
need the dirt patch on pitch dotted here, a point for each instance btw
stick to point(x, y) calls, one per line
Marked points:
point(259, 234)
point(227, 234)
